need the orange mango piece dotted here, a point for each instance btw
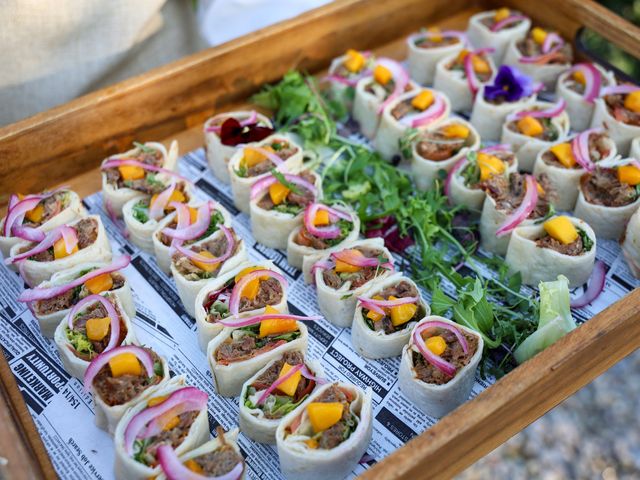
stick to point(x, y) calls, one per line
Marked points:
point(278, 193)
point(60, 249)
point(125, 364)
point(207, 267)
point(97, 328)
point(382, 75)
point(423, 100)
point(530, 126)
point(131, 172)
point(323, 415)
point(344, 267)
point(99, 284)
point(436, 345)
point(401, 314)
point(35, 214)
point(290, 385)
point(629, 174)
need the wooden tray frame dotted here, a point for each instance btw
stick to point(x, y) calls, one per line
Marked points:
point(67, 143)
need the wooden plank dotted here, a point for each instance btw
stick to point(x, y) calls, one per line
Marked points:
point(20, 443)
point(525, 394)
point(68, 140)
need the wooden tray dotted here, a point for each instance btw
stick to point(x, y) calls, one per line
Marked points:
point(66, 145)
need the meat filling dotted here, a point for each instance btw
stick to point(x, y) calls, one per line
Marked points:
point(120, 390)
point(294, 202)
point(281, 148)
point(401, 289)
point(602, 187)
point(51, 206)
point(508, 193)
point(217, 304)
point(437, 147)
point(426, 42)
point(246, 343)
point(87, 232)
point(80, 344)
point(598, 149)
point(145, 449)
point(216, 246)
point(307, 239)
point(219, 462)
point(452, 354)
point(528, 47)
point(337, 280)
point(572, 249)
point(615, 105)
point(149, 184)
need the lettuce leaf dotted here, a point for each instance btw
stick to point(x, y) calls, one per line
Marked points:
point(555, 319)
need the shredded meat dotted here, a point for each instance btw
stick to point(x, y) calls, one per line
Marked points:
point(244, 348)
point(573, 249)
point(335, 435)
point(87, 232)
point(615, 105)
point(401, 109)
point(175, 436)
point(401, 289)
point(602, 187)
point(508, 193)
point(530, 48)
point(122, 389)
point(435, 146)
point(269, 293)
point(217, 246)
point(453, 354)
point(96, 310)
point(336, 280)
point(489, 21)
point(218, 462)
point(302, 199)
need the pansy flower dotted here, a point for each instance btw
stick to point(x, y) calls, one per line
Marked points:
point(232, 133)
point(510, 84)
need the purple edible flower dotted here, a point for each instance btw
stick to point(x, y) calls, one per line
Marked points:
point(511, 84)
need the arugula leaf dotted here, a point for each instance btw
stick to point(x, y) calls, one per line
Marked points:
point(140, 211)
point(283, 180)
point(587, 243)
point(144, 148)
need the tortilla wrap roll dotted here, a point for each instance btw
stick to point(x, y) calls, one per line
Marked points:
point(426, 49)
point(419, 109)
point(162, 238)
point(271, 222)
point(191, 277)
point(253, 163)
point(259, 417)
point(50, 311)
point(113, 196)
point(622, 133)
point(465, 178)
point(538, 262)
point(298, 460)
point(511, 192)
point(341, 277)
point(488, 118)
point(451, 77)
point(92, 246)
point(76, 362)
point(527, 147)
point(631, 244)
point(439, 394)
point(219, 456)
point(229, 375)
point(217, 293)
point(480, 34)
point(193, 420)
point(381, 336)
point(546, 73)
point(566, 179)
point(59, 207)
point(219, 154)
point(314, 217)
point(344, 73)
point(606, 203)
point(440, 148)
point(113, 394)
point(572, 88)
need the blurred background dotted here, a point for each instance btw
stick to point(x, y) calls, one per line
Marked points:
point(53, 52)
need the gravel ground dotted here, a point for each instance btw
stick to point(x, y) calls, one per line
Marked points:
point(593, 434)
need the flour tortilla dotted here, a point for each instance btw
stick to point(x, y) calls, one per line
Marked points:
point(34, 273)
point(188, 289)
point(206, 330)
point(390, 131)
point(141, 234)
point(607, 222)
point(425, 171)
point(339, 306)
point(422, 61)
point(565, 181)
point(537, 264)
point(76, 367)
point(480, 36)
point(163, 252)
point(527, 148)
point(297, 253)
point(126, 468)
point(114, 198)
point(377, 344)
point(454, 85)
point(490, 220)
point(547, 73)
point(107, 417)
point(228, 379)
point(488, 118)
point(438, 400)
point(50, 321)
point(218, 155)
point(298, 462)
point(253, 422)
point(631, 244)
point(620, 132)
point(579, 110)
point(272, 228)
point(241, 186)
point(74, 211)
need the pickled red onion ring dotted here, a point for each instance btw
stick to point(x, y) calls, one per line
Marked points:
point(429, 356)
point(520, 214)
point(63, 231)
point(157, 207)
point(184, 232)
point(434, 112)
point(619, 89)
point(103, 359)
point(580, 149)
point(111, 313)
point(555, 110)
point(114, 163)
point(378, 305)
point(279, 381)
point(549, 40)
point(507, 21)
point(264, 183)
point(191, 255)
point(595, 286)
point(236, 293)
point(400, 77)
point(593, 80)
point(174, 469)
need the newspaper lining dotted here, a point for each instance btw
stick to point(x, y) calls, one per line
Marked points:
point(63, 413)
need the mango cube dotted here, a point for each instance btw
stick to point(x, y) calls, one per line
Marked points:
point(480, 65)
point(171, 423)
point(251, 157)
point(382, 75)
point(530, 126)
point(373, 315)
point(194, 466)
point(564, 154)
point(131, 172)
point(193, 215)
point(125, 364)
point(632, 101)
point(156, 400)
point(60, 249)
point(561, 229)
point(35, 214)
point(176, 196)
point(278, 193)
point(401, 314)
point(539, 35)
point(277, 325)
point(455, 130)
point(629, 174)
point(99, 284)
point(578, 76)
point(423, 100)
point(251, 289)
point(435, 37)
point(290, 385)
point(354, 61)
point(321, 218)
point(97, 328)
point(344, 267)
point(436, 344)
point(490, 165)
point(207, 267)
point(324, 415)
point(501, 14)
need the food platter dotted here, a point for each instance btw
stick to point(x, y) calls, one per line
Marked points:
point(521, 393)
